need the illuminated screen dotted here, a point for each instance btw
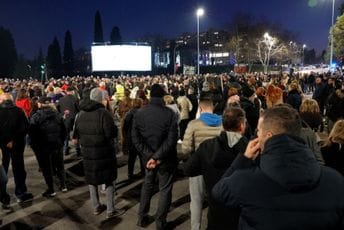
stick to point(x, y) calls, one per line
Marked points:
point(121, 58)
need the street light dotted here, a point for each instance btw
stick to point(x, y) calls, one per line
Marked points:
point(332, 38)
point(199, 13)
point(303, 53)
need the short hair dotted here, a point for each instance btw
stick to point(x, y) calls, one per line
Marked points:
point(282, 119)
point(232, 118)
point(206, 99)
point(337, 134)
point(309, 105)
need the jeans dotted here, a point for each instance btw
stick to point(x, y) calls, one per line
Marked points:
point(110, 196)
point(16, 156)
point(165, 179)
point(131, 162)
point(197, 191)
point(4, 197)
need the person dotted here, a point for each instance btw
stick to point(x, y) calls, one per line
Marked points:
point(47, 133)
point(250, 104)
point(287, 189)
point(211, 160)
point(155, 135)
point(169, 102)
point(127, 141)
point(23, 101)
point(273, 96)
point(95, 130)
point(310, 113)
point(185, 107)
point(4, 197)
point(333, 148)
point(294, 96)
point(335, 106)
point(68, 107)
point(207, 126)
point(14, 126)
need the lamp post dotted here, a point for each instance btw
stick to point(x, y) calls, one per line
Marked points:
point(332, 37)
point(199, 13)
point(303, 54)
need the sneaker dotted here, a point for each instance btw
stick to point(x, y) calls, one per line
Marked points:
point(101, 208)
point(49, 194)
point(64, 189)
point(115, 213)
point(7, 208)
point(25, 198)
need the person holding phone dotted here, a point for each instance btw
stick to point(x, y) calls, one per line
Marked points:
point(278, 184)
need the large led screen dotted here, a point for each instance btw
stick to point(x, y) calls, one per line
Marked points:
point(121, 58)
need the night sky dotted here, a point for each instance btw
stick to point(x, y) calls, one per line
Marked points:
point(34, 23)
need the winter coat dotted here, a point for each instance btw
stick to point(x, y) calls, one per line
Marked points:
point(335, 107)
point(185, 107)
point(155, 133)
point(334, 156)
point(287, 190)
point(47, 130)
point(252, 110)
point(294, 99)
point(25, 105)
point(313, 120)
point(126, 129)
point(96, 131)
point(13, 124)
point(312, 140)
point(200, 130)
point(68, 107)
point(212, 159)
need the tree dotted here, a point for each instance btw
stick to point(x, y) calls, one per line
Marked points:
point(338, 37)
point(98, 28)
point(268, 47)
point(8, 53)
point(341, 9)
point(115, 37)
point(23, 68)
point(68, 54)
point(54, 63)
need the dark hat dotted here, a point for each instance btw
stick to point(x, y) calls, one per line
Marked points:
point(157, 91)
point(44, 100)
point(247, 91)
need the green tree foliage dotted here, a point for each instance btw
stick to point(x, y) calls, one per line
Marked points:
point(8, 53)
point(68, 54)
point(54, 62)
point(98, 28)
point(23, 68)
point(115, 37)
point(338, 33)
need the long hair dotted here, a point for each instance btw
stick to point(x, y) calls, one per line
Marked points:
point(22, 93)
point(337, 134)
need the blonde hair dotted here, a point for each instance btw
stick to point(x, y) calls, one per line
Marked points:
point(309, 105)
point(168, 99)
point(337, 134)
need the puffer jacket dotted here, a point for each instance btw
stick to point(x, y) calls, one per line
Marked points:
point(47, 130)
point(287, 190)
point(96, 131)
point(185, 107)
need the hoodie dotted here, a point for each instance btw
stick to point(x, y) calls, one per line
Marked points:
point(211, 119)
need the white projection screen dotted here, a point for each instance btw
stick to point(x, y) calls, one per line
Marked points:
point(121, 58)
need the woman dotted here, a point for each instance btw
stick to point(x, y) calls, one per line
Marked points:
point(294, 96)
point(333, 149)
point(23, 101)
point(310, 113)
point(274, 96)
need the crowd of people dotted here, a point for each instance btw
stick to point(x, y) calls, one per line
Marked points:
point(250, 143)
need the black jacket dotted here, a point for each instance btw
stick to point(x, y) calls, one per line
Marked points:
point(335, 106)
point(288, 190)
point(252, 110)
point(212, 159)
point(95, 129)
point(13, 124)
point(334, 156)
point(68, 107)
point(47, 130)
point(294, 99)
point(155, 133)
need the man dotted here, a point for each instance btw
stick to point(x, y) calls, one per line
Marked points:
point(288, 189)
point(47, 132)
point(154, 135)
point(96, 131)
point(68, 107)
point(14, 126)
point(212, 158)
point(207, 126)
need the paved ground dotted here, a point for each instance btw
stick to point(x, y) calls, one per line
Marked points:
point(72, 210)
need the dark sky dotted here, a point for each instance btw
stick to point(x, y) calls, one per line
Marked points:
point(34, 23)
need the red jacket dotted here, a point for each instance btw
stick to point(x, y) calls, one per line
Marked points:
point(25, 105)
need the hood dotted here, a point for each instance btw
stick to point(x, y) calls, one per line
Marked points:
point(7, 104)
point(224, 155)
point(43, 115)
point(90, 105)
point(211, 119)
point(289, 162)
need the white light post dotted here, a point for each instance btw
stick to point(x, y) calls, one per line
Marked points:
point(199, 13)
point(332, 37)
point(303, 54)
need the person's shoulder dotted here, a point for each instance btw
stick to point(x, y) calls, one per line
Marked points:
point(330, 175)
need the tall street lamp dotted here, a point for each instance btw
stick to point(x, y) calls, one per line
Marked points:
point(199, 13)
point(303, 54)
point(332, 37)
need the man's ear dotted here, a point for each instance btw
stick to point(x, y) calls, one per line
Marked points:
point(242, 127)
point(269, 134)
